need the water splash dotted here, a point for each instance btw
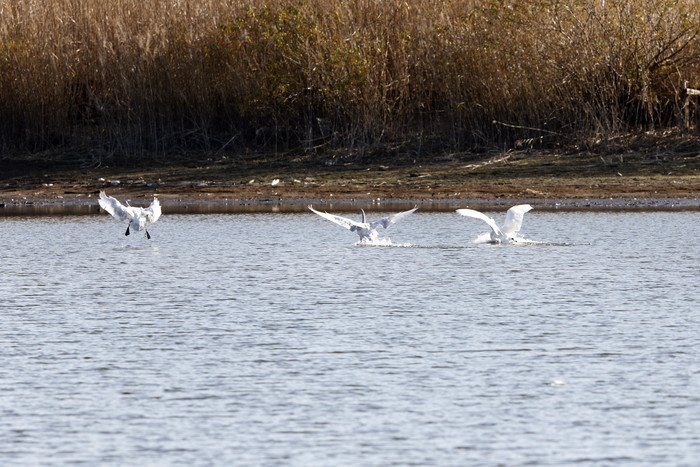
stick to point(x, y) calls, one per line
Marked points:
point(365, 241)
point(485, 238)
point(385, 242)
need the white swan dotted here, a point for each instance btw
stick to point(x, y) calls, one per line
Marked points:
point(137, 217)
point(505, 234)
point(366, 230)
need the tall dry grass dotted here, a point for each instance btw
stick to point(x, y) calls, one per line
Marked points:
point(153, 77)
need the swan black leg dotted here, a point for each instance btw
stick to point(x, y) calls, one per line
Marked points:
point(148, 236)
point(127, 230)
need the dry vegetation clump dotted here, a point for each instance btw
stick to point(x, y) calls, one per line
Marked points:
point(153, 77)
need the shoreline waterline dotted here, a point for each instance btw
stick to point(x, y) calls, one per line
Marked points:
point(87, 205)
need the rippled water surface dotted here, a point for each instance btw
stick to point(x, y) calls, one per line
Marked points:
point(273, 339)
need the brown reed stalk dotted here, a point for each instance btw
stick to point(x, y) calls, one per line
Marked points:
point(138, 78)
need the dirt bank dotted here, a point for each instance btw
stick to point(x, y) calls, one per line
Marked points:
point(617, 177)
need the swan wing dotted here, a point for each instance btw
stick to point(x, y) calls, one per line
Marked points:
point(114, 207)
point(387, 221)
point(153, 211)
point(514, 218)
point(483, 217)
point(341, 221)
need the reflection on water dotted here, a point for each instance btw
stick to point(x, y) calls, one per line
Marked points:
point(273, 339)
point(233, 206)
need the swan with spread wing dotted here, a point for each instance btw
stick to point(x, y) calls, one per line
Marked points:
point(366, 230)
point(511, 226)
point(138, 217)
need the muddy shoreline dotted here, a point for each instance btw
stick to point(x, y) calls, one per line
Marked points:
point(633, 180)
point(72, 200)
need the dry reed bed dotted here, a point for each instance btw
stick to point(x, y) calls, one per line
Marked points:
point(152, 77)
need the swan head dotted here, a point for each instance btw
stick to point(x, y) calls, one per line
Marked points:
point(509, 239)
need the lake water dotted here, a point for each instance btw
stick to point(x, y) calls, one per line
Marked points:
point(273, 339)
